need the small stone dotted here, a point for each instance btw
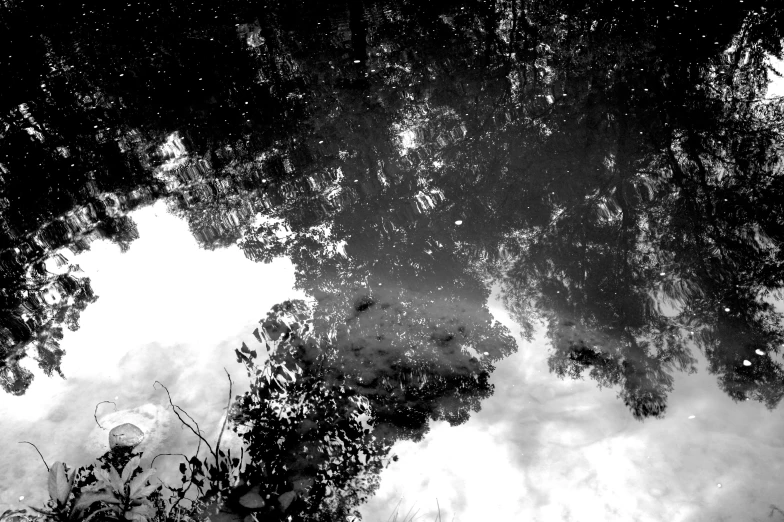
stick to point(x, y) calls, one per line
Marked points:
point(252, 499)
point(125, 436)
point(286, 499)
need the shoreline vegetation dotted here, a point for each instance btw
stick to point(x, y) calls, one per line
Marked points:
point(315, 436)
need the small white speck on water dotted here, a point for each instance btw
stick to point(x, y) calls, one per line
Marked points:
point(759, 352)
point(459, 222)
point(746, 362)
point(726, 309)
point(692, 416)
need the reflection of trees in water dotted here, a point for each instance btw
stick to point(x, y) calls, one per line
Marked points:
point(347, 379)
point(675, 247)
point(585, 151)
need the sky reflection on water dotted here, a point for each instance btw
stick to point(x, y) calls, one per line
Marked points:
point(548, 450)
point(543, 448)
point(606, 181)
point(168, 311)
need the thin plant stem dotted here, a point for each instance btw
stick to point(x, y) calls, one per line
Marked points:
point(95, 413)
point(39, 453)
point(196, 431)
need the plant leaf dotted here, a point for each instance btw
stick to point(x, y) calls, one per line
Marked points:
point(286, 499)
point(56, 467)
point(139, 481)
point(115, 480)
point(140, 513)
point(103, 477)
point(87, 499)
point(130, 468)
point(95, 513)
point(59, 486)
point(71, 479)
point(146, 491)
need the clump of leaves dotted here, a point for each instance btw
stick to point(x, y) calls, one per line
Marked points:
point(126, 495)
point(61, 506)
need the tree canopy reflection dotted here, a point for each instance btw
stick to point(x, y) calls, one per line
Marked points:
point(342, 383)
point(614, 169)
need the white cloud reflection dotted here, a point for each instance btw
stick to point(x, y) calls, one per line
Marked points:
point(167, 311)
point(543, 449)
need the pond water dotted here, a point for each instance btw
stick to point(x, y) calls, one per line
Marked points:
point(480, 261)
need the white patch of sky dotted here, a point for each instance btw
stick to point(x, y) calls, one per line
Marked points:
point(167, 311)
point(776, 85)
point(554, 450)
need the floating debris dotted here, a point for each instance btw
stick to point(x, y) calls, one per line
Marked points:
point(759, 352)
point(459, 222)
point(746, 362)
point(692, 416)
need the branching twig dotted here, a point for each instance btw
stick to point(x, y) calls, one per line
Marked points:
point(95, 413)
point(196, 431)
point(225, 419)
point(39, 453)
point(169, 454)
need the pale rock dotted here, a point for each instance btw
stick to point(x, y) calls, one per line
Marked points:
point(125, 436)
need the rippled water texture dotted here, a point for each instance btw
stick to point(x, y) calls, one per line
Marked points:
point(497, 260)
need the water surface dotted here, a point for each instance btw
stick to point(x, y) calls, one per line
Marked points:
point(486, 260)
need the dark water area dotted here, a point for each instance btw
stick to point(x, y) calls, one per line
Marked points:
point(494, 260)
